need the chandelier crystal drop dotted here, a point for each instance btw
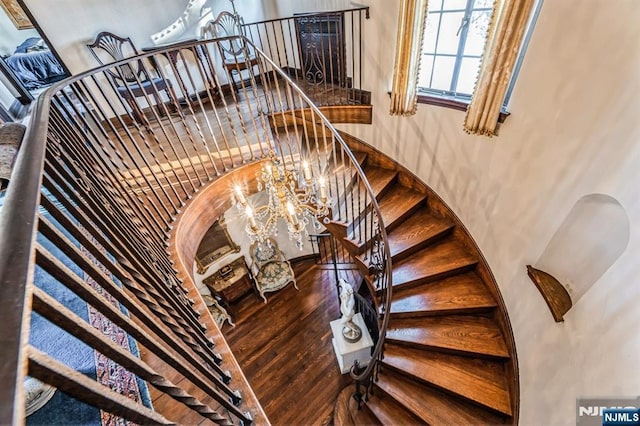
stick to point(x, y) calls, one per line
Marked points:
point(297, 195)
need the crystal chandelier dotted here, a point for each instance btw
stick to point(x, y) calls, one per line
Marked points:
point(293, 194)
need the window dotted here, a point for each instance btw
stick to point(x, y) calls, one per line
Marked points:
point(452, 52)
point(453, 45)
point(454, 40)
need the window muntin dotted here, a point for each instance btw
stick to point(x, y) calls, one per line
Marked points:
point(474, 47)
point(454, 38)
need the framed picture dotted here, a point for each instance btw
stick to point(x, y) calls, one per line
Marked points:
point(215, 244)
point(16, 14)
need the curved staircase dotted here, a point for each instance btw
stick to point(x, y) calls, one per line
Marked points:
point(449, 356)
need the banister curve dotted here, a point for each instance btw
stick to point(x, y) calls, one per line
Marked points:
point(89, 150)
point(378, 350)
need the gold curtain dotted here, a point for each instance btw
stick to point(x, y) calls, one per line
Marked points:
point(504, 38)
point(404, 89)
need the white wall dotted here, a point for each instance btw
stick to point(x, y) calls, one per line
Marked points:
point(7, 92)
point(10, 36)
point(582, 250)
point(283, 8)
point(236, 222)
point(71, 24)
point(574, 130)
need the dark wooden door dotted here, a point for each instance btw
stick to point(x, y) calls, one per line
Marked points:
point(322, 49)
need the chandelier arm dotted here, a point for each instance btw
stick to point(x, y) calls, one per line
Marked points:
point(261, 209)
point(270, 219)
point(288, 199)
point(313, 210)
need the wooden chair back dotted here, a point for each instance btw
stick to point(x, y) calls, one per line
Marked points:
point(117, 48)
point(227, 25)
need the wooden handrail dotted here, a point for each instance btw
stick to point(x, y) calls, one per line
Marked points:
point(17, 235)
point(94, 153)
point(384, 272)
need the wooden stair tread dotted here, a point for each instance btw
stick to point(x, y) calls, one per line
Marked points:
point(364, 416)
point(421, 228)
point(356, 200)
point(433, 406)
point(457, 294)
point(346, 411)
point(397, 204)
point(360, 157)
point(447, 360)
point(413, 234)
point(436, 261)
point(390, 412)
point(379, 178)
point(481, 381)
point(470, 334)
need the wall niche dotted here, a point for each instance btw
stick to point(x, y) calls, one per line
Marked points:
point(587, 243)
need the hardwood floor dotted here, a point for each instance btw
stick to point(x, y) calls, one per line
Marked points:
point(284, 348)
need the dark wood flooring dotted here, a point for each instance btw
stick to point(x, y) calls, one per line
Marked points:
point(284, 348)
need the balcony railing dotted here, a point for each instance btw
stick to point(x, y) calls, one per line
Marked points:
point(321, 52)
point(96, 189)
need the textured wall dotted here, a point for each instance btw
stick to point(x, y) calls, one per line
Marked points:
point(71, 24)
point(236, 223)
point(10, 36)
point(573, 131)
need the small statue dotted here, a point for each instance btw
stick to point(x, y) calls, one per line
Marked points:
point(350, 331)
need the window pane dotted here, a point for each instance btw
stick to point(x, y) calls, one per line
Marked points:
point(477, 33)
point(434, 5)
point(426, 66)
point(467, 76)
point(442, 72)
point(447, 39)
point(430, 33)
point(455, 4)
